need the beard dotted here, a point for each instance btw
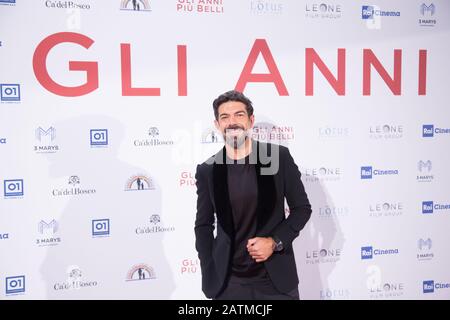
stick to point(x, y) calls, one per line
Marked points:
point(234, 139)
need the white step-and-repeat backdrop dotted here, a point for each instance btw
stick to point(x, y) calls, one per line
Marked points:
point(106, 108)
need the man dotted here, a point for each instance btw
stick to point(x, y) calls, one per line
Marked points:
point(244, 185)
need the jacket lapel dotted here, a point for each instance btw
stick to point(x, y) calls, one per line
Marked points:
point(221, 196)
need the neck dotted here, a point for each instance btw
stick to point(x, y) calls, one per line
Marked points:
point(241, 152)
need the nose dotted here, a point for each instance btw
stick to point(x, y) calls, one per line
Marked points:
point(233, 120)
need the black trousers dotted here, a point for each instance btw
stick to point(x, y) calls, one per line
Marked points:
point(249, 289)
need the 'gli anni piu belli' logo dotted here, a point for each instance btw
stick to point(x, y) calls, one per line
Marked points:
point(135, 5)
point(139, 182)
point(140, 272)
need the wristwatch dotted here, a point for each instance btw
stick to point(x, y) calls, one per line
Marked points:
point(278, 244)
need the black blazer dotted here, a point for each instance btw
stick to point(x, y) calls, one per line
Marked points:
point(215, 253)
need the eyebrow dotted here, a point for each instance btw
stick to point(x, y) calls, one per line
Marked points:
point(226, 114)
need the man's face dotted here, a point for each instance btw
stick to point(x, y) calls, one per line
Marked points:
point(234, 123)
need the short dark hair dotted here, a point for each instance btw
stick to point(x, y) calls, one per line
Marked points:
point(232, 95)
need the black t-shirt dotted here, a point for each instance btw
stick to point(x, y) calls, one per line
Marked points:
point(243, 192)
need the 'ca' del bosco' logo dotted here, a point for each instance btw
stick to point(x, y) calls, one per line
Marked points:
point(73, 189)
point(153, 139)
point(74, 280)
point(154, 227)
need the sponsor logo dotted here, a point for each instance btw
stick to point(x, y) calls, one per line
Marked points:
point(99, 137)
point(429, 207)
point(139, 182)
point(333, 212)
point(189, 266)
point(386, 209)
point(155, 226)
point(379, 289)
point(429, 286)
point(370, 12)
point(140, 272)
point(323, 256)
point(135, 5)
point(264, 7)
point(153, 141)
point(4, 236)
point(271, 133)
point(387, 290)
point(50, 132)
point(334, 294)
point(74, 281)
point(368, 172)
point(334, 132)
point(424, 246)
point(427, 12)
point(9, 92)
point(45, 137)
point(66, 5)
point(15, 285)
point(187, 179)
point(369, 252)
point(429, 130)
point(13, 188)
point(47, 230)
point(74, 189)
point(322, 174)
point(386, 132)
point(7, 2)
point(201, 6)
point(323, 10)
point(100, 227)
point(210, 135)
point(424, 167)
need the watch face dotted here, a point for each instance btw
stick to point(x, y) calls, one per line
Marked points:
point(279, 246)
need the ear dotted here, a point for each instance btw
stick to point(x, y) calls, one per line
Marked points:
point(216, 124)
point(252, 120)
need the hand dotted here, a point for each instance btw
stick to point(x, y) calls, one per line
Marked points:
point(260, 249)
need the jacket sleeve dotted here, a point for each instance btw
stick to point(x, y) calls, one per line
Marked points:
point(297, 199)
point(204, 222)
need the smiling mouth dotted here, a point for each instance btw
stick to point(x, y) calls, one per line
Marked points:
point(234, 131)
